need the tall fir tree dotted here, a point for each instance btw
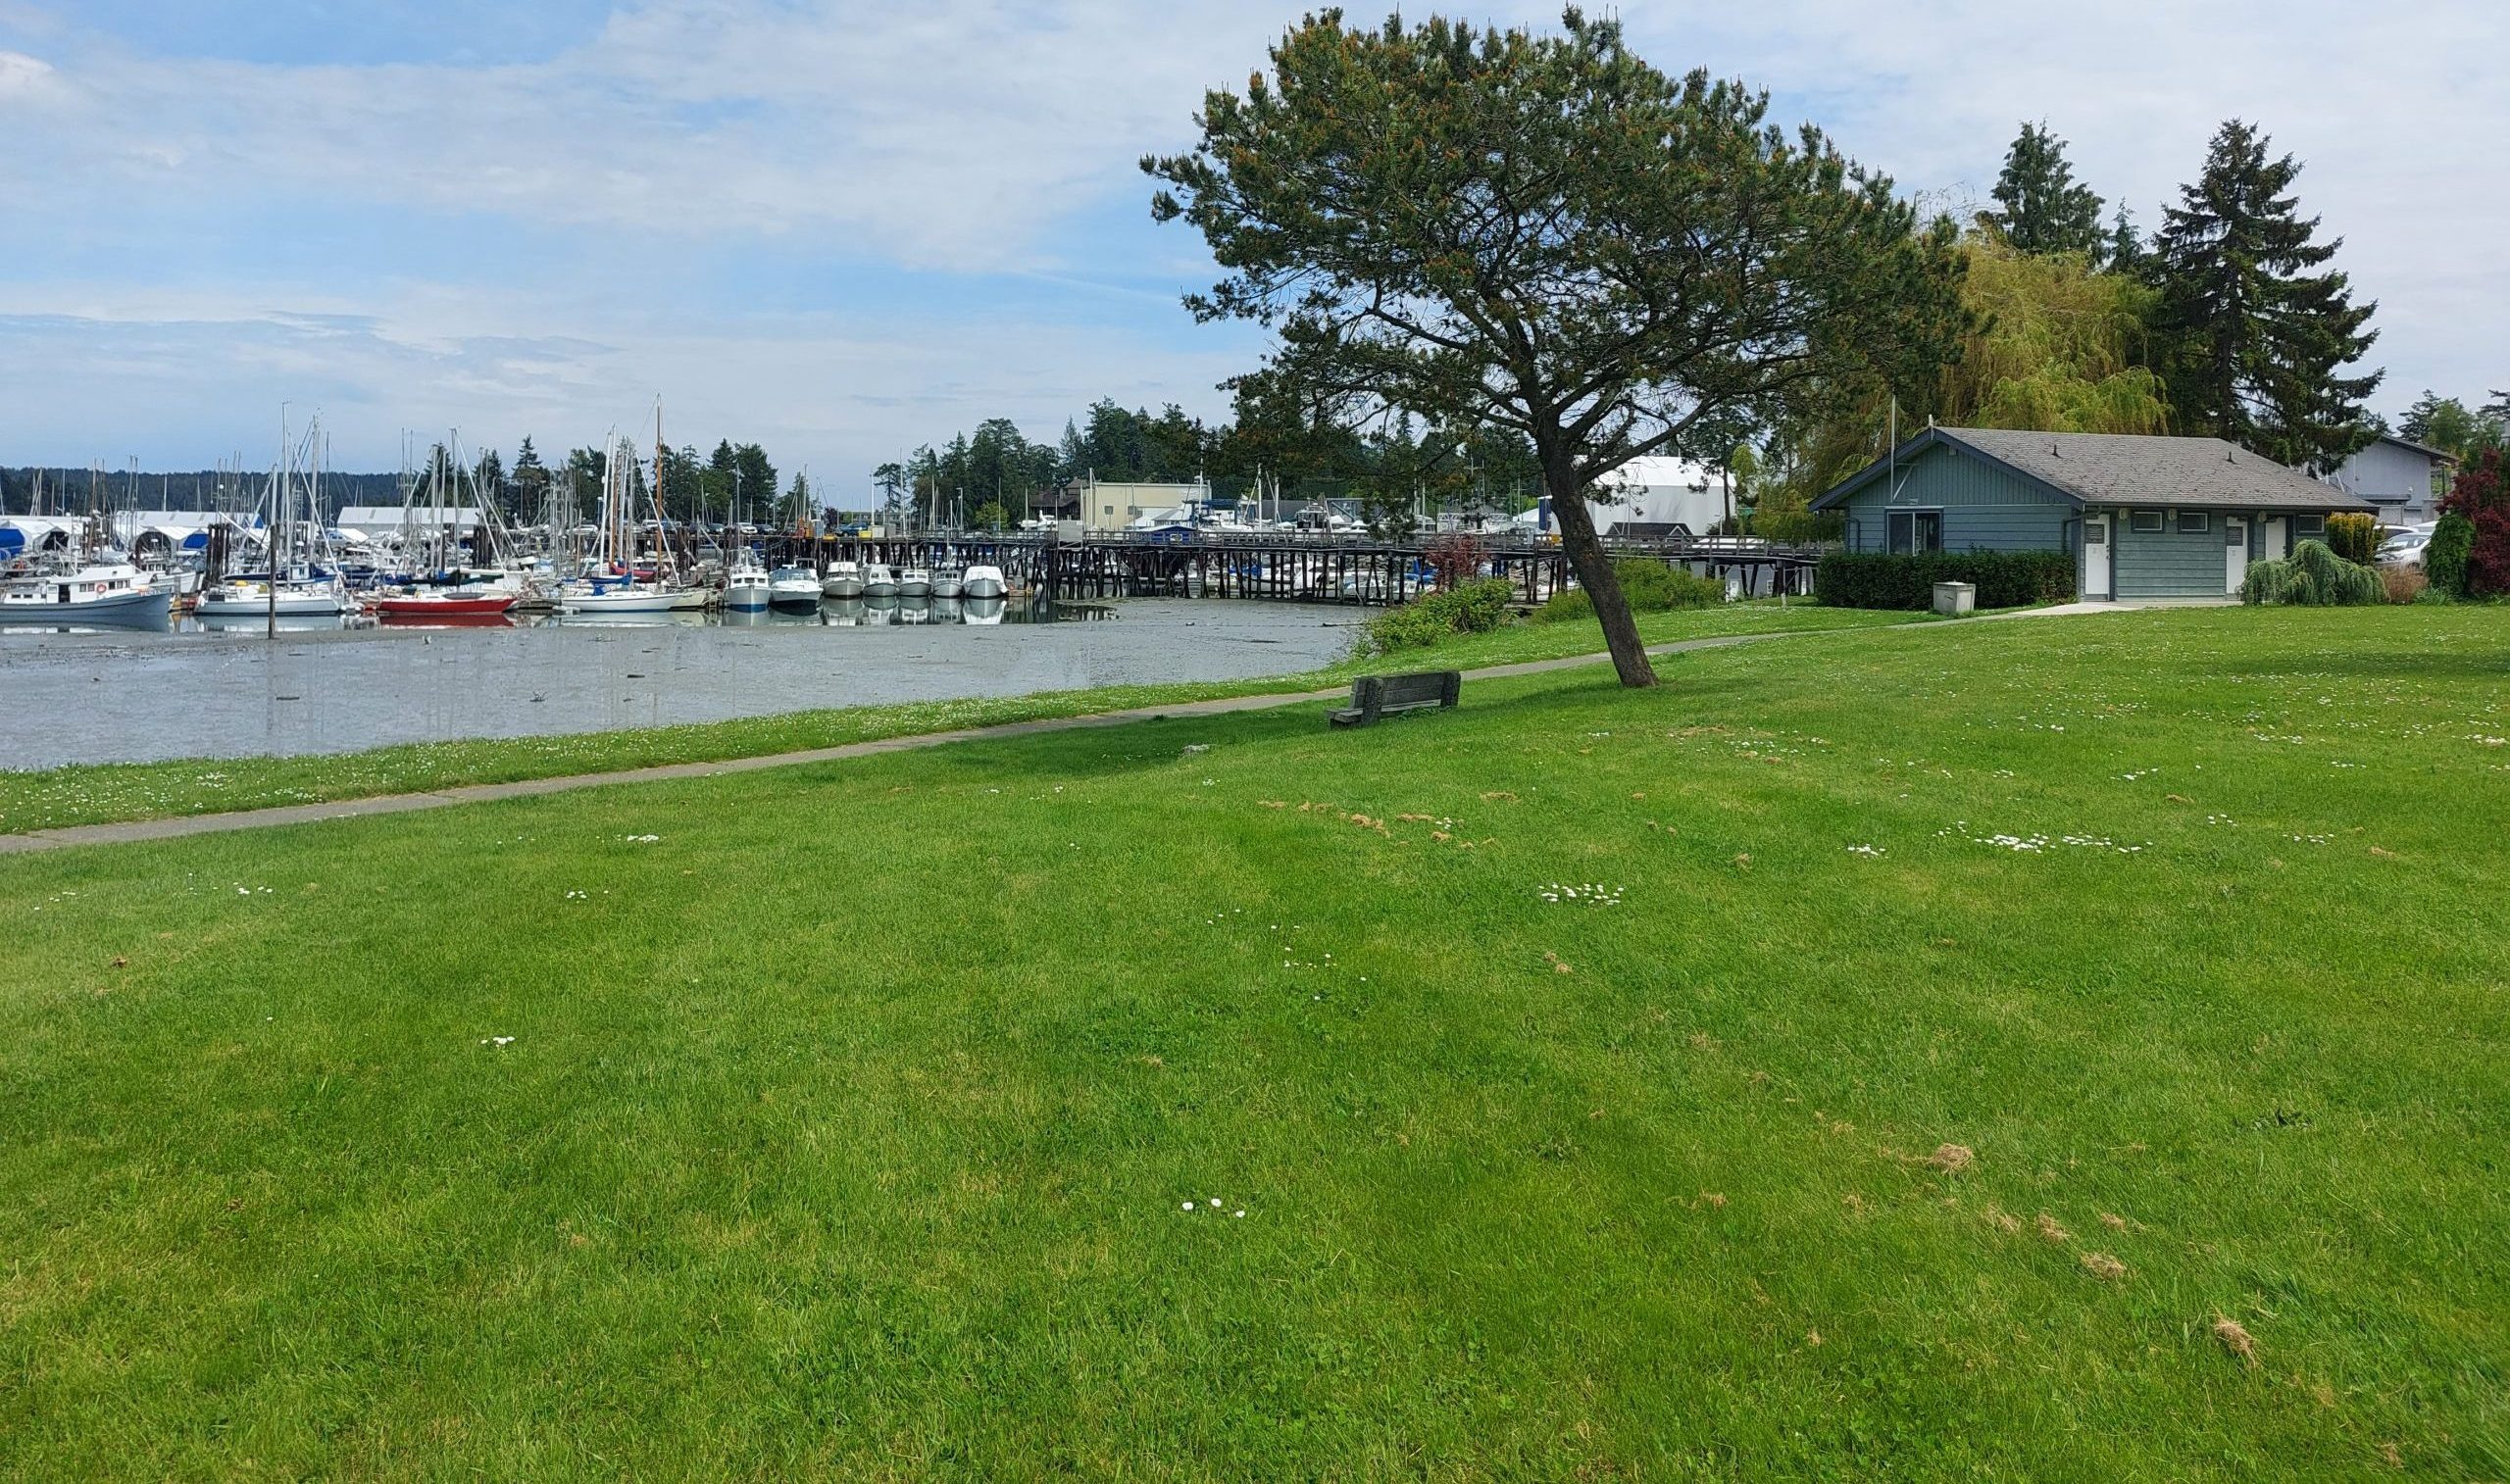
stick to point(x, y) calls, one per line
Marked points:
point(2126, 252)
point(2044, 209)
point(2258, 330)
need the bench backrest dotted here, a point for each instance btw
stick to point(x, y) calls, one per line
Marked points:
point(1435, 687)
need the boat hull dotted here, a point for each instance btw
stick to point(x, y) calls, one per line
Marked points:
point(745, 600)
point(406, 610)
point(301, 606)
point(948, 587)
point(842, 588)
point(144, 608)
point(624, 602)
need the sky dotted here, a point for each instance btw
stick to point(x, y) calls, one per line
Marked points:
point(844, 230)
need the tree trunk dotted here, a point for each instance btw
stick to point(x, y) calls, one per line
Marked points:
point(1586, 554)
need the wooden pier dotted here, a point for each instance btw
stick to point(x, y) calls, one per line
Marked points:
point(1284, 568)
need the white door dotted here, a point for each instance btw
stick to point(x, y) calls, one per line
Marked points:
point(2270, 540)
point(2234, 552)
point(2095, 555)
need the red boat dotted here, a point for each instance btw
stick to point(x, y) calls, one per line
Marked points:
point(427, 607)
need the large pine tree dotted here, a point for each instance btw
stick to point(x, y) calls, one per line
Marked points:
point(2044, 209)
point(2258, 330)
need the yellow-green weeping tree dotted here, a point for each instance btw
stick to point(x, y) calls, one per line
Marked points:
point(2053, 345)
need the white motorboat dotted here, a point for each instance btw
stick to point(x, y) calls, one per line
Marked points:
point(983, 583)
point(915, 582)
point(948, 583)
point(878, 581)
point(793, 590)
point(844, 579)
point(103, 593)
point(745, 589)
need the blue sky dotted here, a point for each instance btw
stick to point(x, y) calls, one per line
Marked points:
point(843, 229)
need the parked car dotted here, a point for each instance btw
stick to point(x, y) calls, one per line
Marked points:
point(2404, 548)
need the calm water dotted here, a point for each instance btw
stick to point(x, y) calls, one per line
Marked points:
point(108, 696)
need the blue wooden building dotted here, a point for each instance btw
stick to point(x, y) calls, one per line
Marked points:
point(2142, 517)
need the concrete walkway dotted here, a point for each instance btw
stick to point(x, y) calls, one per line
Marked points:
point(137, 830)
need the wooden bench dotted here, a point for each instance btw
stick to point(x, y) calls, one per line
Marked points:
point(1375, 696)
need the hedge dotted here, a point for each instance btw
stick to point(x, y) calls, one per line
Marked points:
point(2004, 579)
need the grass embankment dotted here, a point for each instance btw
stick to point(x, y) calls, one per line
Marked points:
point(110, 792)
point(849, 1110)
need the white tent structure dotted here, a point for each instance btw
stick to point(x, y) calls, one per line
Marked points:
point(1650, 497)
point(1646, 498)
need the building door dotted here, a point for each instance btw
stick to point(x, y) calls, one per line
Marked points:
point(2271, 544)
point(2095, 555)
point(2234, 552)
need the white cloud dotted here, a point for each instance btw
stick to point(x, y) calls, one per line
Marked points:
point(939, 136)
point(23, 76)
point(960, 136)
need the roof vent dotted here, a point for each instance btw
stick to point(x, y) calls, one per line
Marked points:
point(2230, 456)
point(2054, 451)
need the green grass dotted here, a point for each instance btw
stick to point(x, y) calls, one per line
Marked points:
point(845, 1126)
point(106, 793)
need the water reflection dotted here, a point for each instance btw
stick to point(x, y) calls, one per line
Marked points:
point(835, 612)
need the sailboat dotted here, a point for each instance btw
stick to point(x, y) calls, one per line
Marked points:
point(290, 588)
point(609, 586)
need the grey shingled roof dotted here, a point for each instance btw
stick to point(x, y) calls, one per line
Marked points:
point(2121, 468)
point(2125, 469)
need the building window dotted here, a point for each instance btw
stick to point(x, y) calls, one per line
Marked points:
point(1909, 532)
point(2194, 522)
point(2309, 528)
point(2146, 521)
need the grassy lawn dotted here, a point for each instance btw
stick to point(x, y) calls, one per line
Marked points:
point(850, 1112)
point(100, 794)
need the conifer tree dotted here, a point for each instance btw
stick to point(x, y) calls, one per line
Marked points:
point(2126, 252)
point(2258, 330)
point(2044, 209)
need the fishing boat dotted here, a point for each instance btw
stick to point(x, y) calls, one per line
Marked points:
point(983, 583)
point(745, 586)
point(878, 581)
point(844, 579)
point(114, 592)
point(793, 589)
point(948, 583)
point(915, 582)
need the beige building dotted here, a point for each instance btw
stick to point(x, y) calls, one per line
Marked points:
point(1119, 507)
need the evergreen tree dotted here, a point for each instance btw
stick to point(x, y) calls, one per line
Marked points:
point(2044, 209)
point(2125, 253)
point(530, 480)
point(2256, 341)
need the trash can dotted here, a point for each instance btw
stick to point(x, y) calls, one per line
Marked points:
point(1953, 599)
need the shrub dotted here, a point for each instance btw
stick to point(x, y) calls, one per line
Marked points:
point(2482, 498)
point(2004, 579)
point(2353, 537)
point(1455, 559)
point(1650, 586)
point(1468, 608)
point(2403, 584)
point(2315, 578)
point(2444, 560)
